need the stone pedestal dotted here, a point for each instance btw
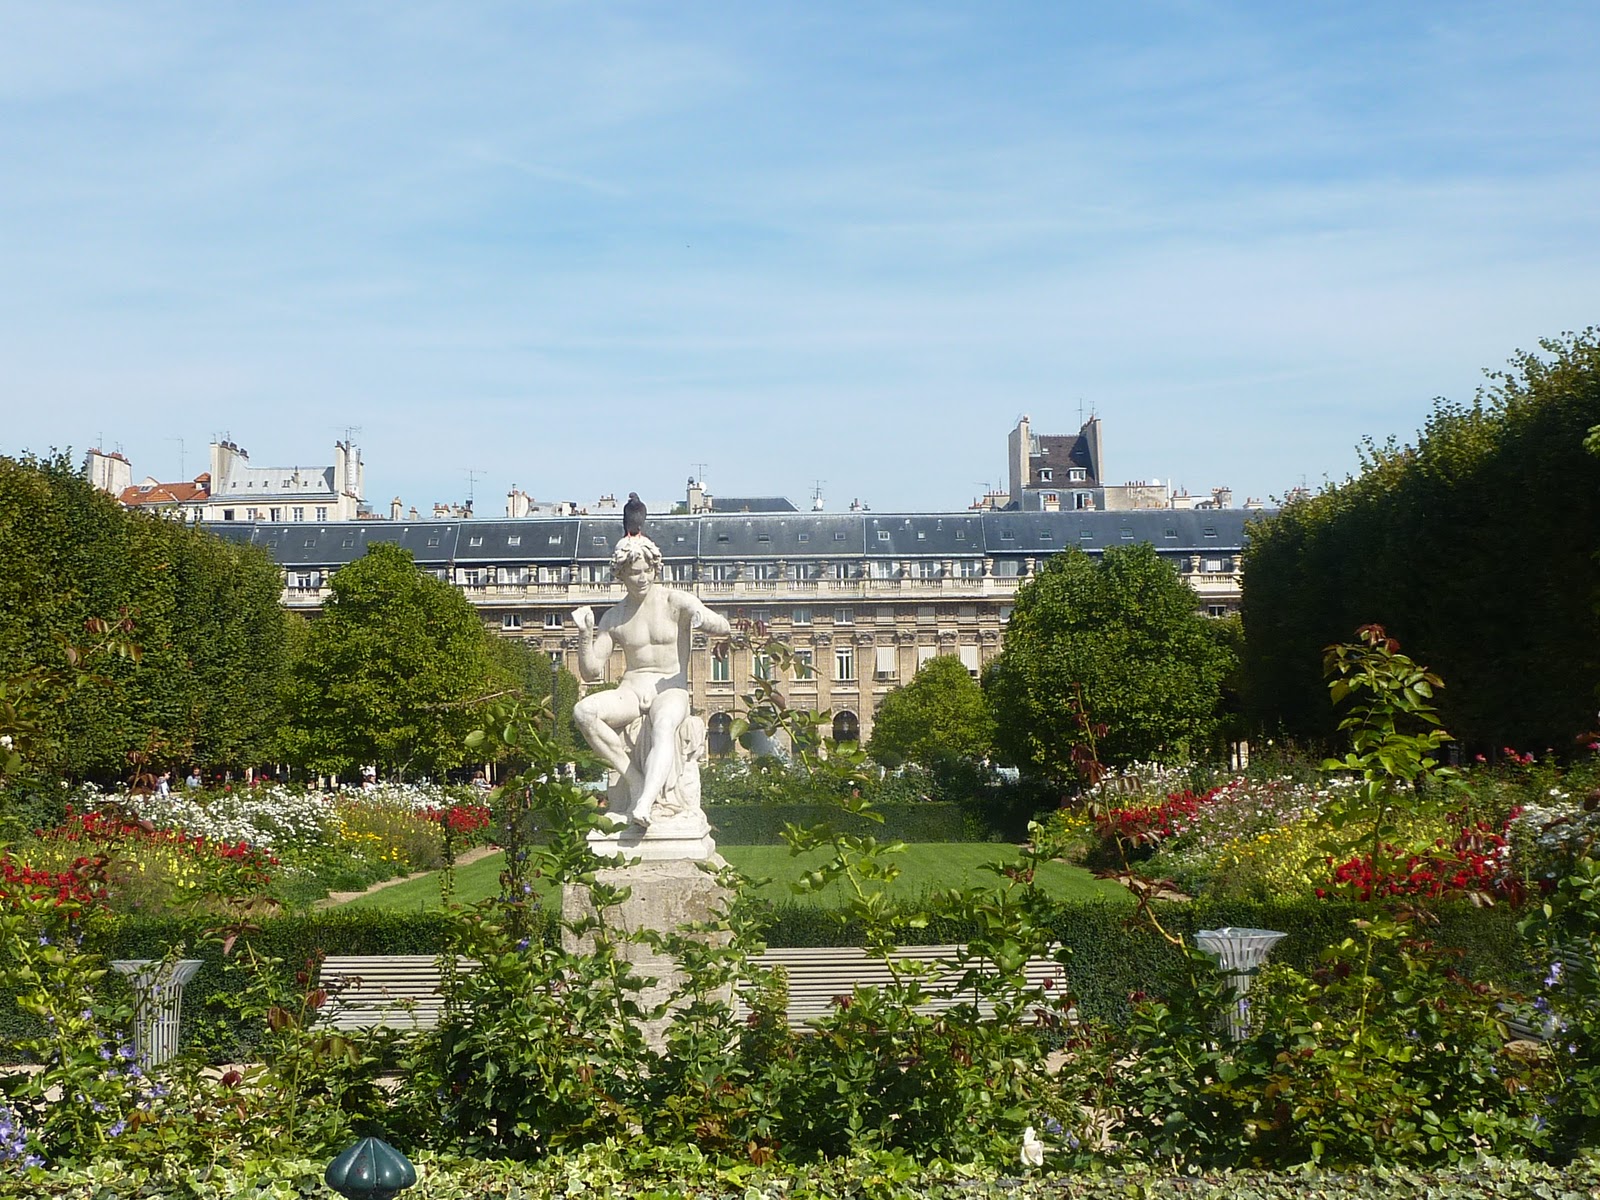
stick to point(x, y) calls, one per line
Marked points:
point(683, 836)
point(666, 895)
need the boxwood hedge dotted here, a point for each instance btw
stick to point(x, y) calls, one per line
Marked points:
point(1112, 957)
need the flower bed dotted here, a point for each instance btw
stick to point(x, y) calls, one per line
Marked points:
point(158, 850)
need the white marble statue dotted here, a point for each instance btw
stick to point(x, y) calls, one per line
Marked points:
point(643, 727)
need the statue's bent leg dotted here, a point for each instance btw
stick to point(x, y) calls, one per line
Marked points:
point(667, 712)
point(601, 718)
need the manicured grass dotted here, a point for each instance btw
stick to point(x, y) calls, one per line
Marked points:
point(925, 867)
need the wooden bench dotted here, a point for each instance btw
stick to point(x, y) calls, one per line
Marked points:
point(819, 975)
point(401, 991)
point(1543, 1027)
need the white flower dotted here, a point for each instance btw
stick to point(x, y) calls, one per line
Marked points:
point(5, 741)
point(1032, 1149)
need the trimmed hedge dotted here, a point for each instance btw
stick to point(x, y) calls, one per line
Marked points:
point(762, 824)
point(205, 1020)
point(1111, 957)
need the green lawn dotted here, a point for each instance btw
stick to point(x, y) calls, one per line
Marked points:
point(925, 867)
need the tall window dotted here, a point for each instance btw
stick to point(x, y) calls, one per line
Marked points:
point(760, 665)
point(844, 663)
point(299, 513)
point(277, 514)
point(927, 568)
point(801, 616)
point(841, 570)
point(322, 512)
point(552, 620)
point(844, 616)
point(720, 668)
point(510, 621)
point(803, 668)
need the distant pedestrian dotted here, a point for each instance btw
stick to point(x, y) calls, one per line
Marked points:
point(481, 782)
point(164, 783)
point(194, 783)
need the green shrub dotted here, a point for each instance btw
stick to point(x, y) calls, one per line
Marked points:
point(762, 824)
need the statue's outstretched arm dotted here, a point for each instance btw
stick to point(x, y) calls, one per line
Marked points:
point(701, 617)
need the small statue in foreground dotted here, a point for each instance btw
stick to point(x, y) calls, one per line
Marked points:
point(643, 727)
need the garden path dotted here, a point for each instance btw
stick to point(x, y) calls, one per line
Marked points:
point(334, 899)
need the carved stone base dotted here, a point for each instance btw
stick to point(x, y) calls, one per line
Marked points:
point(664, 896)
point(687, 836)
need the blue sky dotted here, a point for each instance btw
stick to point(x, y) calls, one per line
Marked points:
point(584, 247)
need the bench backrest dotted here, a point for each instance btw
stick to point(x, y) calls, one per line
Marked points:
point(397, 990)
point(402, 990)
point(819, 975)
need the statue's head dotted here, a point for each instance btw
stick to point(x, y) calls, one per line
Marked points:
point(635, 561)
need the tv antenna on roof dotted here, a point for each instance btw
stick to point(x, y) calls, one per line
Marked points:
point(350, 432)
point(473, 475)
point(699, 472)
point(816, 494)
point(182, 473)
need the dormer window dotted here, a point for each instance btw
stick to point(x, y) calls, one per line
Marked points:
point(1046, 474)
point(1077, 475)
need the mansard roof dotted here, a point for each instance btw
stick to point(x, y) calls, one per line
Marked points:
point(752, 536)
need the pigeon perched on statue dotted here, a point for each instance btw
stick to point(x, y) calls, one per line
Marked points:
point(633, 514)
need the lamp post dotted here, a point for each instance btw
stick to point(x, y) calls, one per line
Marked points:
point(1240, 953)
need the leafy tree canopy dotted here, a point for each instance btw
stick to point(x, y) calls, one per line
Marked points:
point(1111, 649)
point(393, 673)
point(940, 714)
point(204, 613)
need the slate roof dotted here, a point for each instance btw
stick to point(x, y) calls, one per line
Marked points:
point(752, 504)
point(751, 536)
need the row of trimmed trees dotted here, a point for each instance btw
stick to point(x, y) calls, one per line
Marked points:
point(1476, 547)
point(390, 674)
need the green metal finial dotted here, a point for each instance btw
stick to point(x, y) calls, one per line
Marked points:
point(370, 1170)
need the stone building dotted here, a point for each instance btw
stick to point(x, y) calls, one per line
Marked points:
point(865, 597)
point(234, 489)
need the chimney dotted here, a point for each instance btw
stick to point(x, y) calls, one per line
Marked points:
point(394, 509)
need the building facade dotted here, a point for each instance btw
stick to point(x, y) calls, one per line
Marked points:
point(865, 598)
point(236, 490)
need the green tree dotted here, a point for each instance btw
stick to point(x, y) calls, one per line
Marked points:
point(1109, 649)
point(940, 715)
point(529, 670)
point(394, 672)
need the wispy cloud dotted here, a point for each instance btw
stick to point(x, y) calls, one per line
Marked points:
point(581, 247)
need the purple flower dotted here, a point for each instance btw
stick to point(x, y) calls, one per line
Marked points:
point(1554, 977)
point(117, 1129)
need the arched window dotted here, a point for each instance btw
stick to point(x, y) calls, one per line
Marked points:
point(846, 727)
point(719, 734)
